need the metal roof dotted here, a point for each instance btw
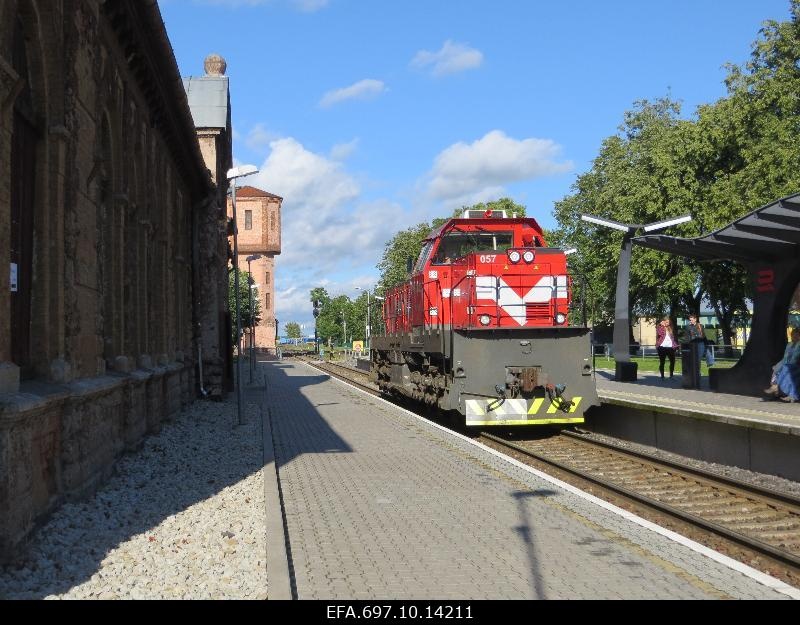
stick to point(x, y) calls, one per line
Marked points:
point(769, 233)
point(208, 100)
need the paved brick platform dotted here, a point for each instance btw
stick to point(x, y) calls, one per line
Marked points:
point(381, 505)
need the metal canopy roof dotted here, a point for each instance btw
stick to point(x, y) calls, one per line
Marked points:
point(769, 233)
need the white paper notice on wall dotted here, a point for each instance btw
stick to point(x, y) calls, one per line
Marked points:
point(13, 277)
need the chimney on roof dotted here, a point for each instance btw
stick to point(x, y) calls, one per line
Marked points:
point(215, 65)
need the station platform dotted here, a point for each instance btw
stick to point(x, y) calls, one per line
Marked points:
point(668, 396)
point(380, 504)
point(737, 430)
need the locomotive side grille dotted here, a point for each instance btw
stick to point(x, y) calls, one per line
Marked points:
point(537, 311)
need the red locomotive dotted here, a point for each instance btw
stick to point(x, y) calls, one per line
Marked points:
point(482, 327)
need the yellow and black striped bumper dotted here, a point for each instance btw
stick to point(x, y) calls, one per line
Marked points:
point(537, 411)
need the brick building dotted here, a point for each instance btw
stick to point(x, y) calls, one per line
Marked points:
point(107, 213)
point(210, 104)
point(258, 215)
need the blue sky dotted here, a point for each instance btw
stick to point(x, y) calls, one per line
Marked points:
point(370, 116)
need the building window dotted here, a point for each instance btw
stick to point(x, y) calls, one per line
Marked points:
point(272, 221)
point(266, 301)
point(266, 280)
point(248, 220)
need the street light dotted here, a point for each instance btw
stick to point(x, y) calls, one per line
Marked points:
point(344, 319)
point(232, 175)
point(317, 307)
point(367, 335)
point(625, 370)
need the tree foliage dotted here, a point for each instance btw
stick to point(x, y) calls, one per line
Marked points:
point(293, 330)
point(247, 318)
point(734, 155)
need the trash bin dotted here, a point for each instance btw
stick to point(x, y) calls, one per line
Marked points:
point(690, 363)
point(625, 371)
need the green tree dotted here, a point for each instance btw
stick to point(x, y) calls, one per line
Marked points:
point(333, 314)
point(404, 245)
point(247, 317)
point(293, 330)
point(506, 204)
point(639, 176)
point(319, 294)
point(738, 153)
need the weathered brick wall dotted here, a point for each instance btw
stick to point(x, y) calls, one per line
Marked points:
point(123, 209)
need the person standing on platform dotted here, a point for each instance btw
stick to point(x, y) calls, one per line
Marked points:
point(696, 336)
point(665, 346)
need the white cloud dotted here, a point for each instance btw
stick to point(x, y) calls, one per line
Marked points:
point(327, 229)
point(493, 160)
point(451, 59)
point(305, 179)
point(362, 90)
point(342, 151)
point(259, 137)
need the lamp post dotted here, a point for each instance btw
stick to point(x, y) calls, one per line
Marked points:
point(317, 306)
point(232, 175)
point(625, 370)
point(249, 260)
point(344, 320)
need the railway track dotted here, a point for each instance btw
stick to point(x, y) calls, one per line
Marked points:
point(764, 521)
point(759, 520)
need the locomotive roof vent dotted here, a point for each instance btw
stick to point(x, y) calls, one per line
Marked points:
point(487, 214)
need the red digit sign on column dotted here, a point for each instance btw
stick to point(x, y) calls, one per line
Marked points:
point(765, 282)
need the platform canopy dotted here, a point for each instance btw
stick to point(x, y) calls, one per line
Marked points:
point(770, 233)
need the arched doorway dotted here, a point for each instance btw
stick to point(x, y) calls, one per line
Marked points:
point(23, 184)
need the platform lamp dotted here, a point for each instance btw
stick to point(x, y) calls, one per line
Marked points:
point(232, 175)
point(625, 370)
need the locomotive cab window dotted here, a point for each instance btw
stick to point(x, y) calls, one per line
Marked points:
point(423, 256)
point(459, 244)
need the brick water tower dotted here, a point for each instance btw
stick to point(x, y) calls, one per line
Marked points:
point(259, 219)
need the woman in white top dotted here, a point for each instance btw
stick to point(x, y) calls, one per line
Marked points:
point(666, 346)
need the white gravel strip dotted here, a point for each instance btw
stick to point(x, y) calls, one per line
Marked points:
point(181, 518)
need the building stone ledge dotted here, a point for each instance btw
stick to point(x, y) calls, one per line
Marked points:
point(9, 377)
point(59, 442)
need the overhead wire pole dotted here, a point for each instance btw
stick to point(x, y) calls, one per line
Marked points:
point(368, 328)
point(625, 370)
point(232, 175)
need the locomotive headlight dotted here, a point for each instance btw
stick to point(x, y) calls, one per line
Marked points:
point(560, 318)
point(514, 256)
point(485, 320)
point(528, 256)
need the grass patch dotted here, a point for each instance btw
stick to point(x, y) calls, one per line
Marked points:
point(650, 364)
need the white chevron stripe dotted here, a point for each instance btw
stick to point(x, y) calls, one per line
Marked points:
point(496, 289)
